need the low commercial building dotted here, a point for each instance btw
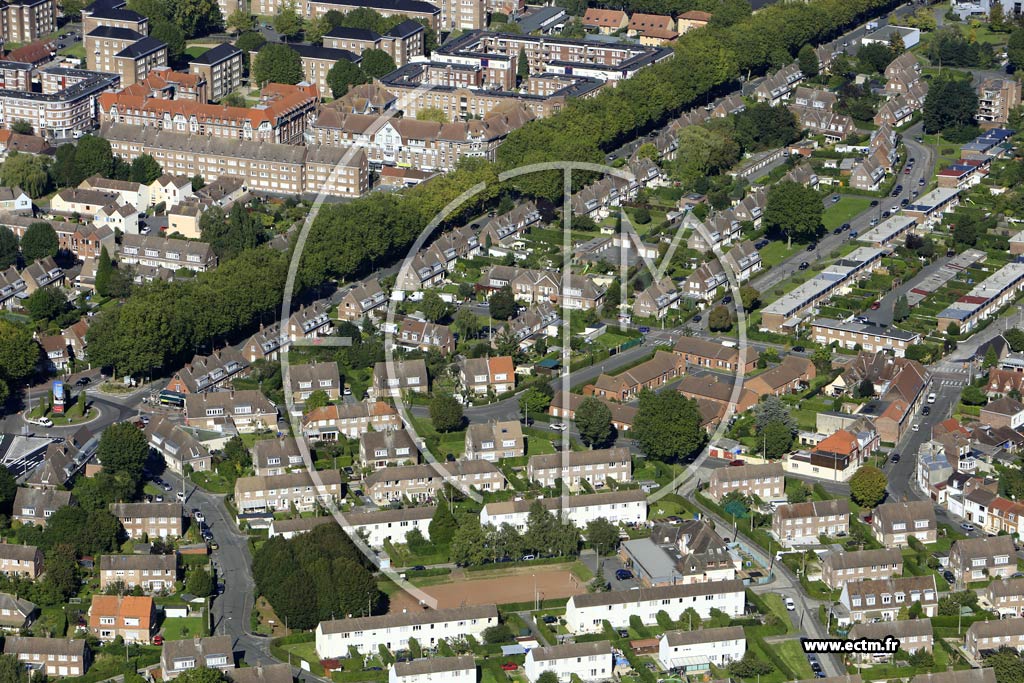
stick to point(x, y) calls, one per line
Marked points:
point(393, 631)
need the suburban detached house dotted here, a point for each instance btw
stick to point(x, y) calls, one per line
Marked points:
point(153, 572)
point(573, 468)
point(884, 598)
point(133, 618)
point(980, 559)
point(309, 377)
point(1005, 596)
point(493, 374)
point(495, 440)
point(177, 446)
point(53, 656)
point(803, 523)
point(1003, 412)
point(391, 379)
point(163, 520)
point(894, 523)
point(387, 449)
point(179, 656)
point(34, 506)
point(25, 561)
point(16, 613)
point(986, 637)
point(913, 634)
point(837, 568)
point(766, 481)
point(275, 456)
point(698, 650)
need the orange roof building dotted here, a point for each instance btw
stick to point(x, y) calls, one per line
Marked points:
point(131, 617)
point(652, 28)
point(280, 117)
point(840, 442)
point(687, 21)
point(605, 20)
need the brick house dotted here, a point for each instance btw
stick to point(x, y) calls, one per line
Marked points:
point(25, 561)
point(298, 491)
point(53, 656)
point(625, 386)
point(708, 354)
point(594, 467)
point(495, 374)
point(387, 449)
point(421, 483)
point(495, 440)
point(979, 559)
point(800, 523)
point(766, 481)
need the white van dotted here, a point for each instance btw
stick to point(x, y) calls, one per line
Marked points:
point(931, 397)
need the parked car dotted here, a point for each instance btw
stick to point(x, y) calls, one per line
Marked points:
point(798, 349)
point(737, 463)
point(949, 577)
point(527, 558)
point(967, 526)
point(558, 426)
point(895, 457)
point(726, 300)
point(623, 574)
point(790, 605)
point(550, 619)
point(40, 421)
point(927, 410)
point(804, 265)
point(876, 305)
point(697, 318)
point(158, 639)
point(82, 381)
point(844, 226)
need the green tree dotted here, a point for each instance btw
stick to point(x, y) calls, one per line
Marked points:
point(443, 524)
point(867, 486)
point(750, 666)
point(342, 76)
point(27, 172)
point(808, 61)
point(950, 104)
point(197, 17)
point(1006, 663)
point(535, 400)
point(239, 21)
point(19, 352)
point(866, 389)
point(317, 399)
point(145, 169)
point(445, 413)
point(250, 41)
point(104, 271)
point(793, 210)
point(39, 241)
point(522, 66)
point(594, 422)
point(973, 396)
point(468, 542)
point(93, 155)
point(433, 306)
point(991, 358)
point(720, 319)
point(172, 34)
point(199, 583)
point(277, 63)
point(123, 449)
point(602, 535)
point(288, 23)
point(822, 358)
point(12, 671)
point(547, 677)
point(203, 675)
point(465, 323)
point(503, 304)
point(8, 248)
point(901, 309)
point(772, 409)
point(62, 575)
point(22, 127)
point(1015, 339)
point(776, 439)
point(750, 297)
point(1015, 48)
point(376, 63)
point(46, 303)
point(874, 57)
point(668, 426)
point(316, 29)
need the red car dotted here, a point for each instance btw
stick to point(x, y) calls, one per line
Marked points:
point(509, 666)
point(875, 306)
point(158, 640)
point(906, 171)
point(737, 463)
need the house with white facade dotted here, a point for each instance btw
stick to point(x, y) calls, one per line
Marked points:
point(393, 631)
point(461, 669)
point(618, 507)
point(698, 650)
point(585, 613)
point(589, 661)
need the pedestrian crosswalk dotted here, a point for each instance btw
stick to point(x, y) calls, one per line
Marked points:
point(951, 382)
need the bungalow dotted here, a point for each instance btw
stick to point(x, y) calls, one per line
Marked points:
point(793, 374)
point(564, 406)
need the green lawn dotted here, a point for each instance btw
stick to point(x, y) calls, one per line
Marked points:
point(843, 211)
point(536, 445)
point(212, 482)
point(792, 653)
point(196, 50)
point(185, 627)
point(76, 50)
point(306, 651)
point(774, 602)
point(775, 252)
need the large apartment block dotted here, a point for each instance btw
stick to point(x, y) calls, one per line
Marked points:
point(221, 68)
point(25, 21)
point(116, 42)
point(393, 631)
point(65, 106)
point(262, 166)
point(766, 481)
point(402, 43)
point(574, 468)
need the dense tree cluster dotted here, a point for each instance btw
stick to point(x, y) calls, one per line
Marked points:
point(315, 576)
point(950, 106)
point(668, 426)
point(545, 535)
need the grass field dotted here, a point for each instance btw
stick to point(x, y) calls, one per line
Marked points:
point(776, 252)
point(793, 655)
point(843, 211)
point(185, 627)
point(774, 602)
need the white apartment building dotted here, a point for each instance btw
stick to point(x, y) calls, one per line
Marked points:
point(588, 661)
point(378, 526)
point(585, 613)
point(700, 649)
point(393, 631)
point(619, 507)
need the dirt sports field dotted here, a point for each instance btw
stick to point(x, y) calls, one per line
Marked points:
point(466, 589)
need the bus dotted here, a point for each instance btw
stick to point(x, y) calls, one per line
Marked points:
point(171, 398)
